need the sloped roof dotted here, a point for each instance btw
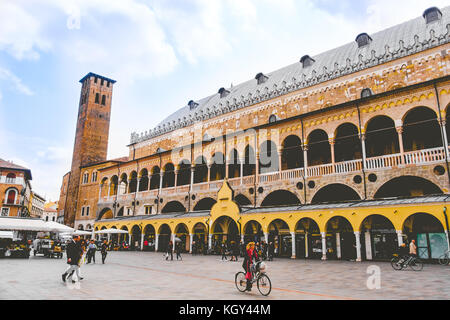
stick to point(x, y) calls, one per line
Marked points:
point(9, 165)
point(398, 41)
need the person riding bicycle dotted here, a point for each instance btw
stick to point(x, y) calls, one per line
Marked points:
point(402, 254)
point(249, 255)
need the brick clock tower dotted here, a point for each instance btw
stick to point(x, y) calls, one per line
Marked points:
point(91, 135)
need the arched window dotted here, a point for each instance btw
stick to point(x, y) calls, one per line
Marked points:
point(11, 195)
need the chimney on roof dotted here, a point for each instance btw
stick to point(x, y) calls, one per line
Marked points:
point(432, 14)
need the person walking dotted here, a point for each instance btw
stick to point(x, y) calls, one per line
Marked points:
point(270, 251)
point(74, 252)
point(223, 250)
point(104, 251)
point(169, 251)
point(178, 250)
point(91, 251)
point(235, 251)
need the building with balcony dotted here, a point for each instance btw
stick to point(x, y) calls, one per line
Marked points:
point(341, 155)
point(15, 189)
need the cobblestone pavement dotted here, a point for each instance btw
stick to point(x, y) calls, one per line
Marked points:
point(145, 275)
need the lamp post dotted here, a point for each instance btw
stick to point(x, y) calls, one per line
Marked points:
point(207, 234)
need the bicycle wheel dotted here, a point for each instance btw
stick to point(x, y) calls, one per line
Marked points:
point(416, 264)
point(264, 285)
point(240, 281)
point(444, 259)
point(395, 263)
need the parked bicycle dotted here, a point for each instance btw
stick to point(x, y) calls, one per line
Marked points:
point(445, 258)
point(259, 276)
point(399, 263)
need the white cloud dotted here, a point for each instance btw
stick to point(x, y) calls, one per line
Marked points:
point(14, 82)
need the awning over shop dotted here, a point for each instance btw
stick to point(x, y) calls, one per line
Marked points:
point(30, 224)
point(6, 235)
point(111, 231)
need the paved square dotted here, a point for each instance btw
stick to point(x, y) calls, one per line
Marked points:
point(145, 275)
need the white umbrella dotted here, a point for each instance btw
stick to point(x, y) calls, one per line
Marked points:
point(110, 231)
point(177, 239)
point(58, 227)
point(82, 233)
point(6, 234)
point(22, 224)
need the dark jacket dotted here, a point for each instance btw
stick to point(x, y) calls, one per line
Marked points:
point(74, 252)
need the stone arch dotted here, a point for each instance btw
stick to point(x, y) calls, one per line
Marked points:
point(280, 234)
point(407, 186)
point(124, 237)
point(249, 161)
point(165, 235)
point(319, 151)
point(347, 145)
point(168, 176)
point(132, 186)
point(381, 136)
point(253, 231)
point(114, 185)
point(280, 197)
point(184, 173)
point(149, 236)
point(204, 204)
point(105, 213)
point(292, 153)
point(224, 229)
point(234, 167)
point(143, 180)
point(242, 200)
point(199, 238)
point(155, 178)
point(182, 232)
point(308, 238)
point(200, 170)
point(217, 170)
point(378, 237)
point(335, 192)
point(173, 207)
point(341, 238)
point(136, 235)
point(122, 187)
point(268, 157)
point(416, 121)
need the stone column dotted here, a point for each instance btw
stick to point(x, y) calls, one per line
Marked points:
point(192, 177)
point(100, 192)
point(156, 242)
point(305, 159)
point(306, 245)
point(368, 245)
point(160, 180)
point(293, 256)
point(400, 143)
point(324, 245)
point(241, 162)
point(210, 241)
point(109, 190)
point(338, 245)
point(142, 241)
point(176, 177)
point(448, 240)
point(362, 136)
point(399, 237)
point(137, 184)
point(242, 238)
point(331, 141)
point(266, 237)
point(358, 246)
point(191, 236)
point(173, 241)
point(444, 134)
point(226, 168)
point(209, 172)
point(280, 160)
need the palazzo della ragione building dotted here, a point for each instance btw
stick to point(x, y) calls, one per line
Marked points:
point(341, 155)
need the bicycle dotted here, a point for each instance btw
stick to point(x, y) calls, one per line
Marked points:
point(258, 275)
point(399, 263)
point(445, 258)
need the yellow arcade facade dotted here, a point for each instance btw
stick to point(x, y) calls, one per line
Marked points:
point(365, 230)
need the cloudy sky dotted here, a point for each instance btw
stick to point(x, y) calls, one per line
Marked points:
point(162, 53)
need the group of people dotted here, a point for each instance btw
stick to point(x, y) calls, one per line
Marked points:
point(75, 250)
point(170, 249)
point(264, 250)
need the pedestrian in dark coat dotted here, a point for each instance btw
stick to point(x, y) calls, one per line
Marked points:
point(178, 250)
point(104, 251)
point(169, 251)
point(74, 251)
point(270, 251)
point(224, 251)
